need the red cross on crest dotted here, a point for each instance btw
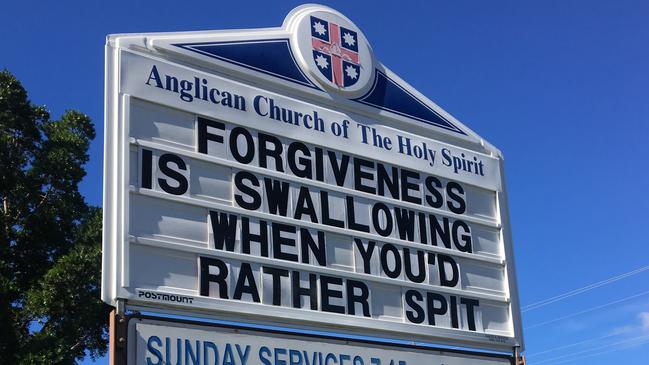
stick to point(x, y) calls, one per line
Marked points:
point(335, 51)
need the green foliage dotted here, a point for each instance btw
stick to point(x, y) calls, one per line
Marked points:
point(50, 254)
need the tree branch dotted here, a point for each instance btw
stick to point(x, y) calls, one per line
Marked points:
point(76, 345)
point(44, 198)
point(5, 207)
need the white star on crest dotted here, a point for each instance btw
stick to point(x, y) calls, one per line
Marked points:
point(351, 72)
point(319, 28)
point(322, 62)
point(349, 39)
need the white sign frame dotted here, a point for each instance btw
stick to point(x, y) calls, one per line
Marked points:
point(129, 50)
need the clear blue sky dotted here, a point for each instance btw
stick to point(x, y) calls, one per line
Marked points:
point(561, 87)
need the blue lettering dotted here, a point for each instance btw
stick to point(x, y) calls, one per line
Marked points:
point(171, 83)
point(457, 163)
point(314, 358)
point(295, 357)
point(153, 350)
point(213, 94)
point(404, 145)
point(228, 358)
point(210, 345)
point(344, 358)
point(243, 356)
point(278, 352)
point(432, 156)
point(419, 153)
point(330, 356)
point(196, 89)
point(446, 155)
point(168, 350)
point(155, 76)
point(185, 88)
point(364, 129)
point(257, 105)
point(189, 353)
point(265, 351)
point(306, 120)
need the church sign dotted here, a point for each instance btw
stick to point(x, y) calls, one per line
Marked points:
point(286, 176)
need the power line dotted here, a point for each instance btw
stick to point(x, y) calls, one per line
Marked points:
point(601, 353)
point(571, 345)
point(639, 339)
point(587, 310)
point(581, 290)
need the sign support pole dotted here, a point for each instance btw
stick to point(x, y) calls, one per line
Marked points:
point(117, 337)
point(518, 359)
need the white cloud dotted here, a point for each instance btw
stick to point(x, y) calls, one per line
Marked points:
point(623, 330)
point(642, 326)
point(644, 319)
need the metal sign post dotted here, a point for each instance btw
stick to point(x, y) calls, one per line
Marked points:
point(117, 335)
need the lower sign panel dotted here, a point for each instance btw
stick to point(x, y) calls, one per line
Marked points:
point(163, 342)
